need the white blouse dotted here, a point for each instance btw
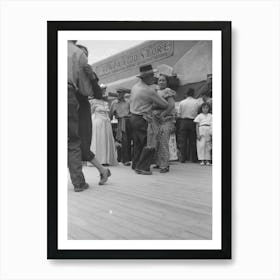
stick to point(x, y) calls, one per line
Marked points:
point(203, 119)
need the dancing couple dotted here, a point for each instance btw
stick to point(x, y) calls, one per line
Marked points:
point(152, 121)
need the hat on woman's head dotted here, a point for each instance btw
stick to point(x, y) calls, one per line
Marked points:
point(146, 70)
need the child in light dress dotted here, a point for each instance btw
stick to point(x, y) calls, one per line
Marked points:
point(204, 134)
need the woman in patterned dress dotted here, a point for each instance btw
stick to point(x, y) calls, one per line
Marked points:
point(166, 120)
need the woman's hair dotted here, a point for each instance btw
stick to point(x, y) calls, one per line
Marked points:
point(204, 104)
point(166, 78)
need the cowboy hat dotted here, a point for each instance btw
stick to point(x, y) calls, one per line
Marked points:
point(146, 70)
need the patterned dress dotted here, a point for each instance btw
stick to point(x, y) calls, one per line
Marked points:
point(173, 147)
point(166, 127)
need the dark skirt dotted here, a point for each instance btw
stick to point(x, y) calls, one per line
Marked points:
point(85, 127)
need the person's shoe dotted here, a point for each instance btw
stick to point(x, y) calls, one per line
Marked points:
point(202, 163)
point(104, 177)
point(127, 163)
point(164, 170)
point(86, 186)
point(208, 163)
point(81, 188)
point(156, 166)
point(143, 172)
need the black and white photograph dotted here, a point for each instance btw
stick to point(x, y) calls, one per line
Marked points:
point(133, 123)
point(140, 140)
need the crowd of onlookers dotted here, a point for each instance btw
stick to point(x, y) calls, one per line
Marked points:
point(184, 135)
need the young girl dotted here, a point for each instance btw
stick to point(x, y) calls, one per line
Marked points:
point(204, 134)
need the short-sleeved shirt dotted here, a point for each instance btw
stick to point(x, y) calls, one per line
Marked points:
point(204, 119)
point(119, 108)
point(188, 108)
point(99, 108)
point(141, 98)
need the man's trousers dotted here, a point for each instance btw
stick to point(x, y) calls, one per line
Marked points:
point(142, 155)
point(126, 142)
point(74, 142)
point(187, 140)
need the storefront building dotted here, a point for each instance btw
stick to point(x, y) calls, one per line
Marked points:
point(188, 62)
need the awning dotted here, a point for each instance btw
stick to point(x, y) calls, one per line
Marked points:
point(195, 64)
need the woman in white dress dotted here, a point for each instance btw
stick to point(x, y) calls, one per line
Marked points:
point(102, 143)
point(204, 134)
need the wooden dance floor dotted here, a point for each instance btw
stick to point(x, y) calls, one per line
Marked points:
point(174, 205)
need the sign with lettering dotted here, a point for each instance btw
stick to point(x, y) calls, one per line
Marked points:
point(155, 51)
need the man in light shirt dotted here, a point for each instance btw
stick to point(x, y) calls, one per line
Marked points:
point(120, 109)
point(188, 110)
point(142, 100)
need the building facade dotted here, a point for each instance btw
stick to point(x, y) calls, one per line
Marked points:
point(189, 61)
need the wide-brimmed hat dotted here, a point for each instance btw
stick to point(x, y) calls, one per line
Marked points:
point(146, 70)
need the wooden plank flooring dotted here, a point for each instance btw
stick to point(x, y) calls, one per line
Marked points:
point(174, 205)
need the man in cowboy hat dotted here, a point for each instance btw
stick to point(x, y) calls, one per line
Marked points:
point(120, 109)
point(142, 99)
